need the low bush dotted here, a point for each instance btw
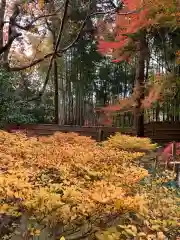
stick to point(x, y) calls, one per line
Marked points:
point(65, 179)
point(160, 219)
point(68, 184)
point(125, 142)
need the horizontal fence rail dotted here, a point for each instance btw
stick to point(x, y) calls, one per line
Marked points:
point(161, 132)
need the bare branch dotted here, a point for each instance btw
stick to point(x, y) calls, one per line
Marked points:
point(12, 35)
point(30, 25)
point(2, 25)
point(15, 69)
point(55, 51)
point(113, 12)
point(59, 52)
point(83, 25)
point(77, 37)
point(12, 24)
point(8, 44)
point(113, 4)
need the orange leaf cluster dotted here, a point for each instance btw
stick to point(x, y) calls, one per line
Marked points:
point(178, 57)
point(125, 24)
point(136, 16)
point(157, 90)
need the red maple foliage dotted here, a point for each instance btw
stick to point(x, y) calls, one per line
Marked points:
point(166, 153)
point(128, 104)
point(130, 19)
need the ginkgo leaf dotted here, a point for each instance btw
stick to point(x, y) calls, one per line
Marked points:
point(41, 3)
point(62, 238)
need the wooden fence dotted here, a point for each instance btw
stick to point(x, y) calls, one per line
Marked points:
point(161, 132)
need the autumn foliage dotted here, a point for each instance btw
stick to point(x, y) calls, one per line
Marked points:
point(121, 39)
point(157, 89)
point(134, 17)
point(133, 144)
point(161, 220)
point(66, 178)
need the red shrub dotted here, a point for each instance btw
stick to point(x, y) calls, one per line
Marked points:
point(166, 152)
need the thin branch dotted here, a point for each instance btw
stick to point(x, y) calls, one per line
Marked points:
point(113, 12)
point(84, 23)
point(13, 23)
point(8, 44)
point(12, 34)
point(113, 4)
point(61, 27)
point(38, 45)
point(59, 52)
point(77, 37)
point(30, 25)
point(2, 25)
point(15, 69)
point(55, 52)
point(49, 27)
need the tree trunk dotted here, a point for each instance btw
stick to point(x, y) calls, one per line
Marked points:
point(61, 100)
point(2, 13)
point(56, 95)
point(53, 28)
point(139, 87)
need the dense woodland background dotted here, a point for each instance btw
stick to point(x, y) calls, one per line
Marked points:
point(80, 79)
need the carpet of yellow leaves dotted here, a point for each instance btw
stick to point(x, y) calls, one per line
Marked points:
point(160, 220)
point(66, 177)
